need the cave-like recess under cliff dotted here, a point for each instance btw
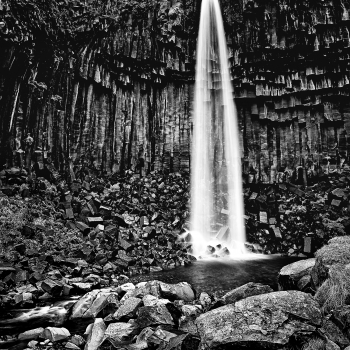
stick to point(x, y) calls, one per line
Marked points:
point(122, 89)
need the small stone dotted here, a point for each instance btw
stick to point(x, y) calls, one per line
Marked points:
point(77, 340)
point(32, 344)
point(70, 345)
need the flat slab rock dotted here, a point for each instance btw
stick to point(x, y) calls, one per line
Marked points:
point(289, 275)
point(260, 321)
point(298, 269)
point(245, 291)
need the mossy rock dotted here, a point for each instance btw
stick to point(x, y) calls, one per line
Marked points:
point(337, 252)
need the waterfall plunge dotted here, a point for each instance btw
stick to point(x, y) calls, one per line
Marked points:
point(216, 160)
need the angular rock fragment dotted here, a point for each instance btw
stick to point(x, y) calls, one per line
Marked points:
point(96, 334)
point(154, 315)
point(128, 309)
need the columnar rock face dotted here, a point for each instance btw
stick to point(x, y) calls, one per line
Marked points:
point(123, 96)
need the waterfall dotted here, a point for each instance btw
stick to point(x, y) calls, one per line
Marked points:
point(216, 176)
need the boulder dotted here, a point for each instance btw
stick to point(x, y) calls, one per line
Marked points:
point(160, 336)
point(92, 303)
point(150, 300)
point(118, 333)
point(31, 334)
point(150, 288)
point(52, 287)
point(81, 307)
point(83, 287)
point(268, 320)
point(55, 334)
point(205, 300)
point(182, 291)
point(188, 318)
point(96, 334)
point(124, 288)
point(128, 308)
point(247, 290)
point(154, 315)
point(290, 275)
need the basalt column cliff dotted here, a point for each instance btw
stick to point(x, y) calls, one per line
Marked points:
point(110, 85)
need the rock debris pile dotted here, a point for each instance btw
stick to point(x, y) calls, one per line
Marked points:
point(71, 239)
point(297, 220)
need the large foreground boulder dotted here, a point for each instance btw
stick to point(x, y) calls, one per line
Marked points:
point(266, 321)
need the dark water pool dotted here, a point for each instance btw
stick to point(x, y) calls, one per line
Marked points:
point(220, 275)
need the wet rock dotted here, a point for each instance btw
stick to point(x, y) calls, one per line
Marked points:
point(205, 300)
point(187, 320)
point(128, 309)
point(290, 275)
point(77, 340)
point(82, 287)
point(118, 333)
point(81, 307)
point(52, 287)
point(182, 290)
point(247, 290)
point(125, 288)
point(31, 334)
point(268, 320)
point(150, 300)
point(71, 345)
point(92, 303)
point(150, 288)
point(160, 336)
point(55, 334)
point(154, 315)
point(96, 334)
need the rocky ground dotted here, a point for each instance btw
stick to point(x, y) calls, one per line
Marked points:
point(89, 235)
point(157, 315)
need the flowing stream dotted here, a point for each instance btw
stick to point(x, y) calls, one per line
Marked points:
point(216, 175)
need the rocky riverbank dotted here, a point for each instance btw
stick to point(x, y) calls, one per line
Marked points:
point(157, 315)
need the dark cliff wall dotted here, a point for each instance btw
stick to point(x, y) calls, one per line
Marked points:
point(117, 84)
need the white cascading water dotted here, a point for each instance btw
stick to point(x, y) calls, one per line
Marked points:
point(216, 176)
